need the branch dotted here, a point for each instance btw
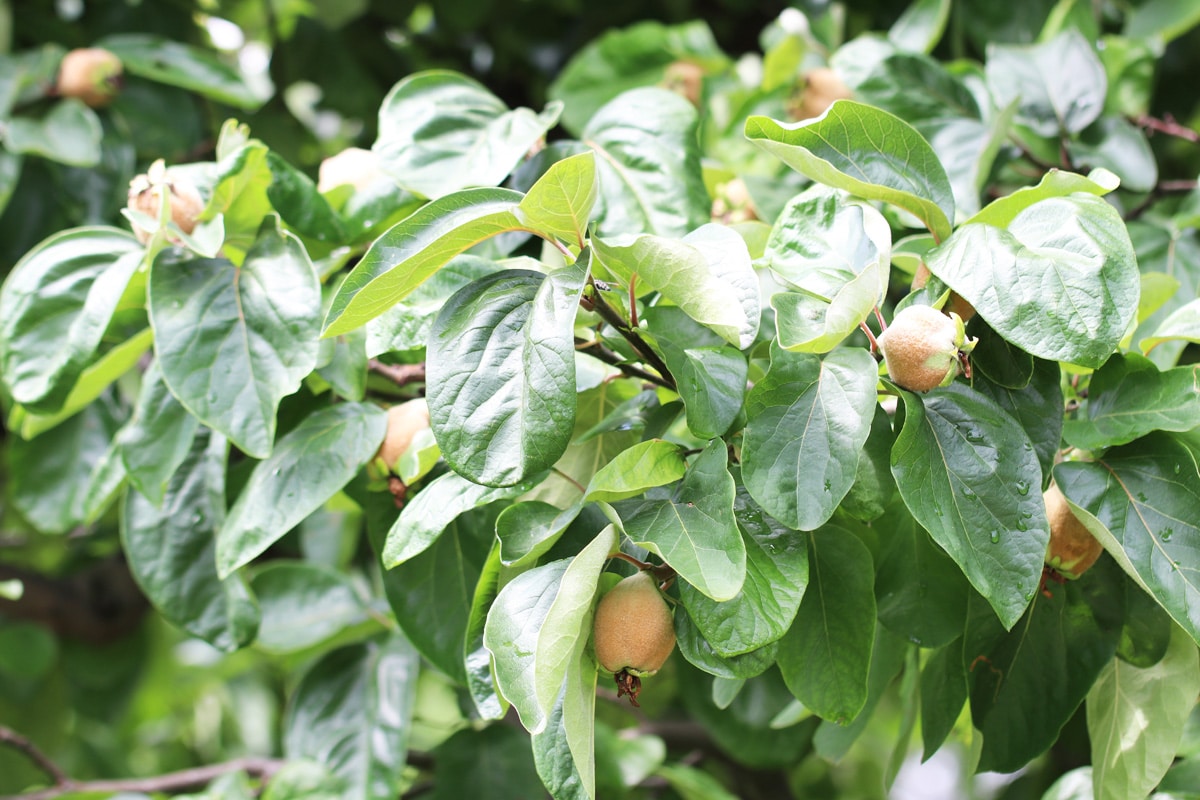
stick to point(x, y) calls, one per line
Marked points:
point(602, 353)
point(172, 782)
point(609, 315)
point(399, 374)
point(27, 748)
point(1167, 125)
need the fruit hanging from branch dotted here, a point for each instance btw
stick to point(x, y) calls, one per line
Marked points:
point(925, 349)
point(634, 632)
point(91, 74)
point(1072, 549)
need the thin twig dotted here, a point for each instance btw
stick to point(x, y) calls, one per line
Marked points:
point(1167, 125)
point(582, 489)
point(399, 374)
point(609, 315)
point(171, 782)
point(598, 351)
point(23, 745)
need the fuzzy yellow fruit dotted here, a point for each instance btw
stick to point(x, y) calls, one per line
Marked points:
point(924, 348)
point(92, 74)
point(405, 420)
point(147, 193)
point(822, 86)
point(634, 633)
point(1072, 549)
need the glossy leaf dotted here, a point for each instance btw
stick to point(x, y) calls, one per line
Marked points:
point(807, 422)
point(411, 251)
point(477, 659)
point(303, 605)
point(707, 273)
point(528, 529)
point(1060, 84)
point(1143, 503)
point(1061, 282)
point(826, 656)
point(985, 511)
point(699, 652)
point(535, 623)
point(69, 133)
point(1136, 718)
point(157, 438)
point(712, 383)
point(171, 550)
point(561, 201)
point(869, 153)
point(501, 374)
point(694, 529)
point(294, 195)
point(440, 131)
point(234, 341)
point(648, 165)
point(1037, 408)
point(178, 64)
point(352, 712)
point(308, 466)
point(54, 308)
point(1183, 324)
point(1129, 397)
point(641, 467)
point(1055, 183)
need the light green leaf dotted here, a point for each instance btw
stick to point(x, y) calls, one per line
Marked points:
point(177, 64)
point(1165, 19)
point(440, 131)
point(69, 133)
point(869, 153)
point(641, 467)
point(1129, 397)
point(1055, 183)
point(1060, 84)
point(1183, 324)
point(560, 202)
point(308, 466)
point(1136, 718)
point(920, 26)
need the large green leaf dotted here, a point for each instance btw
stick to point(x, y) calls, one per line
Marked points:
point(501, 374)
point(178, 64)
point(694, 529)
point(1128, 398)
point(868, 152)
point(352, 712)
point(440, 131)
point(565, 752)
point(1142, 500)
point(535, 624)
point(648, 165)
point(1182, 325)
point(826, 656)
point(69, 133)
point(1025, 684)
point(1055, 183)
point(838, 253)
point(54, 308)
point(403, 258)
point(157, 438)
point(982, 508)
point(303, 605)
point(171, 549)
point(1136, 718)
point(234, 341)
point(807, 422)
point(561, 201)
point(1060, 84)
point(1061, 282)
point(1165, 19)
point(776, 575)
point(1037, 407)
point(295, 197)
point(641, 467)
point(707, 273)
point(308, 466)
point(495, 763)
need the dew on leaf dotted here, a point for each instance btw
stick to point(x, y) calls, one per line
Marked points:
point(995, 536)
point(1022, 487)
point(1021, 526)
point(1167, 533)
point(1177, 468)
point(1141, 496)
point(968, 491)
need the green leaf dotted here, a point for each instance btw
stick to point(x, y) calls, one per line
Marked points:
point(1165, 19)
point(477, 660)
point(869, 153)
point(826, 656)
point(1136, 718)
point(156, 440)
point(694, 529)
point(693, 784)
point(985, 511)
point(352, 712)
point(921, 593)
point(535, 624)
point(527, 530)
point(438, 504)
point(440, 131)
point(495, 763)
point(776, 576)
point(294, 195)
point(171, 550)
point(1056, 183)
point(411, 251)
point(920, 26)
point(1061, 282)
point(832, 741)
point(1117, 145)
point(648, 165)
point(1037, 407)
point(873, 487)
point(943, 693)
point(303, 605)
point(54, 308)
point(501, 374)
point(1128, 398)
point(308, 466)
point(1183, 324)
point(1028, 682)
point(178, 64)
point(69, 133)
point(837, 252)
point(641, 467)
point(1142, 501)
point(561, 201)
point(234, 341)
point(700, 652)
point(707, 273)
point(1060, 85)
point(10, 173)
point(807, 422)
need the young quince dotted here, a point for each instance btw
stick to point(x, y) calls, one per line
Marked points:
point(634, 632)
point(92, 74)
point(925, 349)
point(1072, 549)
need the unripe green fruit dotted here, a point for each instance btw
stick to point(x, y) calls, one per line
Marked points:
point(924, 348)
point(91, 74)
point(1072, 549)
point(634, 631)
point(405, 420)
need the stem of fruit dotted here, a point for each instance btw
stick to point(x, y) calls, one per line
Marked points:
point(609, 315)
point(633, 319)
point(870, 337)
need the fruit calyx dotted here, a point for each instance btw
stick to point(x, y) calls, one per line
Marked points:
point(1072, 548)
point(925, 349)
point(633, 632)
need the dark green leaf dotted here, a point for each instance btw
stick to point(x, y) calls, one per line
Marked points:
point(501, 374)
point(1003, 364)
point(308, 466)
point(69, 133)
point(832, 741)
point(1060, 84)
point(171, 550)
point(352, 712)
point(234, 341)
point(944, 690)
point(985, 510)
point(1128, 398)
point(826, 656)
point(178, 64)
point(157, 439)
point(527, 530)
point(303, 605)
point(807, 422)
point(699, 652)
point(1147, 629)
point(294, 195)
point(1037, 408)
point(494, 763)
point(873, 487)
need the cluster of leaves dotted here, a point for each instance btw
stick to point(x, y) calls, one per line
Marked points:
point(610, 367)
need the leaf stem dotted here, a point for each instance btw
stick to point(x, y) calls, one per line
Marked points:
point(597, 350)
point(870, 337)
point(609, 315)
point(582, 489)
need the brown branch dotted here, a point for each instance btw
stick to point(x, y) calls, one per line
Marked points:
point(602, 353)
point(399, 374)
point(1167, 125)
point(23, 745)
point(172, 782)
point(98, 605)
point(631, 335)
